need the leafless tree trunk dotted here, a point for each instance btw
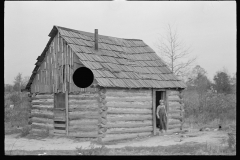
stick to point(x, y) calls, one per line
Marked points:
point(175, 53)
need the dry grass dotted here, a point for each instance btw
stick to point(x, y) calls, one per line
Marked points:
point(16, 119)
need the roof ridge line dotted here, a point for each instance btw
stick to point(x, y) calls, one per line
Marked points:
point(92, 34)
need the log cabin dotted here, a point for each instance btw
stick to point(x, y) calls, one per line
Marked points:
point(129, 79)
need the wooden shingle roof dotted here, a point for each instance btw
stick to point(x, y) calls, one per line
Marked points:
point(126, 63)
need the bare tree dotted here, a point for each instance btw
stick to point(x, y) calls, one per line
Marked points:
point(175, 53)
point(20, 82)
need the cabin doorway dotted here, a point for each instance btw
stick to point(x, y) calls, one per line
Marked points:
point(159, 95)
point(59, 114)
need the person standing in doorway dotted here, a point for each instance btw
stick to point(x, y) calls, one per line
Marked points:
point(162, 115)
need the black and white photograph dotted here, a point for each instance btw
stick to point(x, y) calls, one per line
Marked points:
point(120, 78)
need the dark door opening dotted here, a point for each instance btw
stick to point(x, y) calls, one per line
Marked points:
point(59, 100)
point(59, 111)
point(160, 95)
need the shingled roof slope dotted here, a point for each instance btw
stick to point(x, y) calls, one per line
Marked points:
point(127, 63)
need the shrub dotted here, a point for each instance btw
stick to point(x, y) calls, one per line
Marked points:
point(25, 131)
point(20, 113)
point(209, 106)
point(232, 141)
point(15, 98)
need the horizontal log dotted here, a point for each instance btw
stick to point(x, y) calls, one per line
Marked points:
point(84, 134)
point(42, 126)
point(43, 102)
point(128, 117)
point(85, 114)
point(43, 107)
point(59, 134)
point(129, 130)
point(175, 112)
point(42, 115)
point(60, 125)
point(173, 121)
point(36, 131)
point(41, 120)
point(83, 97)
point(173, 97)
point(128, 93)
point(173, 126)
point(128, 111)
point(59, 131)
point(129, 105)
point(146, 104)
point(129, 99)
point(173, 93)
point(46, 96)
point(175, 117)
point(176, 100)
point(85, 128)
point(83, 122)
point(61, 119)
point(114, 137)
point(174, 104)
point(89, 107)
point(82, 102)
point(128, 124)
point(34, 110)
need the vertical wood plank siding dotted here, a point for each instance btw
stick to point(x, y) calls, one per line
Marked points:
point(58, 61)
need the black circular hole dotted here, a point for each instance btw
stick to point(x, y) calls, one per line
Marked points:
point(83, 77)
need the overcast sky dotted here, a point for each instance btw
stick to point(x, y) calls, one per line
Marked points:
point(209, 27)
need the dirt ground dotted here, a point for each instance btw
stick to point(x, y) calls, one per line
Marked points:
point(13, 142)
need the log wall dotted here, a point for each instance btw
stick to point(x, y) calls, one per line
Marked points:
point(175, 110)
point(128, 114)
point(83, 114)
point(41, 117)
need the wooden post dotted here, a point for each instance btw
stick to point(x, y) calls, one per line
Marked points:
point(62, 66)
point(55, 64)
point(182, 114)
point(66, 86)
point(72, 70)
point(166, 103)
point(154, 111)
point(68, 63)
point(70, 67)
point(65, 68)
point(66, 107)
